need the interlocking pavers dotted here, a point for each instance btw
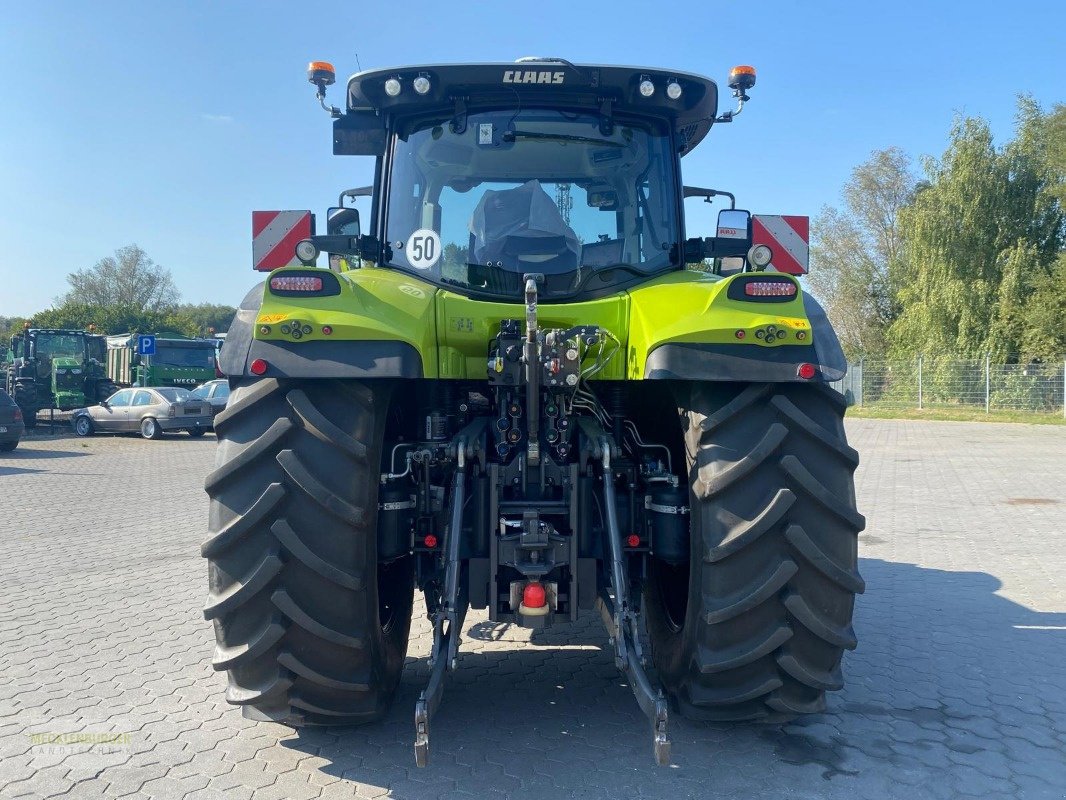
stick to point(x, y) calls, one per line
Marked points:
point(956, 689)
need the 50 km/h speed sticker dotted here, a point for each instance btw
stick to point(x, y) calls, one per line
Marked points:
point(423, 249)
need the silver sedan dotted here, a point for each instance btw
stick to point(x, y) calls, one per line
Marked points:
point(151, 411)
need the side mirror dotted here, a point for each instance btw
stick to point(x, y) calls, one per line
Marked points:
point(733, 237)
point(734, 224)
point(342, 222)
point(105, 404)
point(603, 200)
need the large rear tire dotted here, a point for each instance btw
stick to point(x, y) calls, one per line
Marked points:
point(309, 627)
point(755, 625)
point(25, 397)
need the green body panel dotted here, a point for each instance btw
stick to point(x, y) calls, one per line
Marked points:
point(452, 332)
point(68, 383)
point(373, 305)
point(162, 375)
point(693, 307)
point(467, 326)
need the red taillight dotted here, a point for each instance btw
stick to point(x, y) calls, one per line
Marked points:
point(327, 330)
point(740, 334)
point(430, 540)
point(18, 415)
point(296, 283)
point(633, 540)
point(258, 367)
point(806, 371)
point(534, 596)
point(770, 289)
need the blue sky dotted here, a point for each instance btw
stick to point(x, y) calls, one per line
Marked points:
point(165, 124)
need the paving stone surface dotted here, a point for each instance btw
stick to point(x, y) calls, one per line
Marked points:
point(957, 689)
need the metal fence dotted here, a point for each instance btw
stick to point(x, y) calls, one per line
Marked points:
point(928, 382)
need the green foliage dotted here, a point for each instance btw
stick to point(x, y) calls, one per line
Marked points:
point(9, 326)
point(1041, 319)
point(129, 279)
point(127, 293)
point(189, 320)
point(855, 252)
point(977, 241)
point(206, 318)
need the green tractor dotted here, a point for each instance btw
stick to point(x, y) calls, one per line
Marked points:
point(51, 368)
point(522, 389)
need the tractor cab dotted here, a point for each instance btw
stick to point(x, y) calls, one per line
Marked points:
point(491, 172)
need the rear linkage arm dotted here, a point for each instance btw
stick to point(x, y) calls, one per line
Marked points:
point(621, 621)
point(448, 618)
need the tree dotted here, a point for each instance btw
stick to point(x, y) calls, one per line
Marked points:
point(977, 241)
point(106, 320)
point(129, 279)
point(205, 318)
point(855, 252)
point(9, 326)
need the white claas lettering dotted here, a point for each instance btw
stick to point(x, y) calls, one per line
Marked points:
point(531, 76)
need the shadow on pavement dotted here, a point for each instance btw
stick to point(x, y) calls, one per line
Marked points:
point(18, 471)
point(29, 453)
point(945, 669)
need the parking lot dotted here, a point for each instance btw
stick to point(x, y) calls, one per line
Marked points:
point(958, 687)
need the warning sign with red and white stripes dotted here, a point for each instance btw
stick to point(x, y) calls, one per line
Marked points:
point(274, 238)
point(788, 239)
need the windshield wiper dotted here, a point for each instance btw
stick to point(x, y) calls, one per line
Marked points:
point(511, 136)
point(597, 271)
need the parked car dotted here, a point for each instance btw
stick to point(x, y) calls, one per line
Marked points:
point(152, 411)
point(214, 392)
point(12, 425)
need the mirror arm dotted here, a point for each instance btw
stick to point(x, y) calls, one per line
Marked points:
point(362, 191)
point(707, 194)
point(732, 199)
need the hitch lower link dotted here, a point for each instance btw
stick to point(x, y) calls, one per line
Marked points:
point(618, 616)
point(621, 622)
point(448, 617)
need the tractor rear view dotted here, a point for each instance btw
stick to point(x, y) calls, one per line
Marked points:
point(51, 368)
point(520, 388)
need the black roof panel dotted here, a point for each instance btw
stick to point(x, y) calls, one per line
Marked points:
point(546, 83)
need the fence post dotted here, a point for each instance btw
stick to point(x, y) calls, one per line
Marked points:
point(1064, 389)
point(988, 380)
point(862, 382)
point(919, 383)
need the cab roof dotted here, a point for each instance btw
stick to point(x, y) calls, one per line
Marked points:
point(551, 83)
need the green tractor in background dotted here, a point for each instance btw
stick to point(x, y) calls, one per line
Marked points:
point(521, 388)
point(62, 369)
